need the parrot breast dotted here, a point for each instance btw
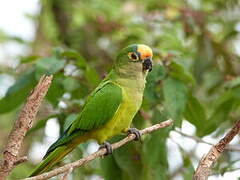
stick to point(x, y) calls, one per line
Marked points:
point(121, 121)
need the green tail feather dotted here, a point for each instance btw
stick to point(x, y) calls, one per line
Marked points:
point(52, 159)
point(58, 150)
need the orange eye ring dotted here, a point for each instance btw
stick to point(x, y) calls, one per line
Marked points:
point(133, 56)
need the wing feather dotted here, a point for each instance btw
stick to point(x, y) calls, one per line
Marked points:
point(98, 110)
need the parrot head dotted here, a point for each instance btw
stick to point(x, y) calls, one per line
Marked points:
point(135, 58)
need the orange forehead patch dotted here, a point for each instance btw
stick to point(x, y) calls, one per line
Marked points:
point(145, 51)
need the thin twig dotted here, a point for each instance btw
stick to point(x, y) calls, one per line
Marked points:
point(199, 140)
point(99, 153)
point(22, 124)
point(65, 176)
point(193, 137)
point(207, 162)
point(20, 160)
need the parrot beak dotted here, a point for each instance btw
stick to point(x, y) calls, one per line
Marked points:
point(147, 64)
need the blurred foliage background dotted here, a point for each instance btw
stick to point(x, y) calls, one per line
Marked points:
point(195, 81)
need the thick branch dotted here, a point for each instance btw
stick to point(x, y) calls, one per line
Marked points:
point(22, 124)
point(99, 153)
point(207, 162)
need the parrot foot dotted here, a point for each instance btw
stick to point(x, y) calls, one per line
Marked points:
point(136, 132)
point(108, 147)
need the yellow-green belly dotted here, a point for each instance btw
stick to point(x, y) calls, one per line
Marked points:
point(122, 119)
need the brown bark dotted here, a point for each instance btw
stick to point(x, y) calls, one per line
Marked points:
point(21, 126)
point(207, 162)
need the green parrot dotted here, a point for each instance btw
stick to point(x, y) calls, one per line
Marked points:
point(109, 109)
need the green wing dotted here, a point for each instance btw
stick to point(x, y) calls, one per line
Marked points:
point(98, 110)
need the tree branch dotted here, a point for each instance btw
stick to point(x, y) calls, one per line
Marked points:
point(99, 153)
point(199, 140)
point(20, 160)
point(206, 164)
point(65, 176)
point(22, 124)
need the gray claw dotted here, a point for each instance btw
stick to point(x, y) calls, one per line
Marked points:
point(108, 147)
point(136, 132)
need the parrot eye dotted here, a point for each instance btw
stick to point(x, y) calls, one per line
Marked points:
point(133, 56)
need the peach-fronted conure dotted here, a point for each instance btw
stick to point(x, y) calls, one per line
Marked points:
point(109, 109)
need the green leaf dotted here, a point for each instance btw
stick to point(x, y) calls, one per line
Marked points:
point(177, 71)
point(81, 92)
point(153, 80)
point(188, 170)
point(49, 65)
point(195, 114)
point(224, 105)
point(70, 84)
point(175, 96)
point(128, 158)
point(56, 52)
point(138, 121)
point(110, 168)
point(233, 83)
point(221, 112)
point(71, 54)
point(92, 76)
point(55, 91)
point(29, 59)
point(155, 159)
point(18, 92)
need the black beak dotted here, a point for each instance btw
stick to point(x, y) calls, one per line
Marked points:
point(147, 64)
